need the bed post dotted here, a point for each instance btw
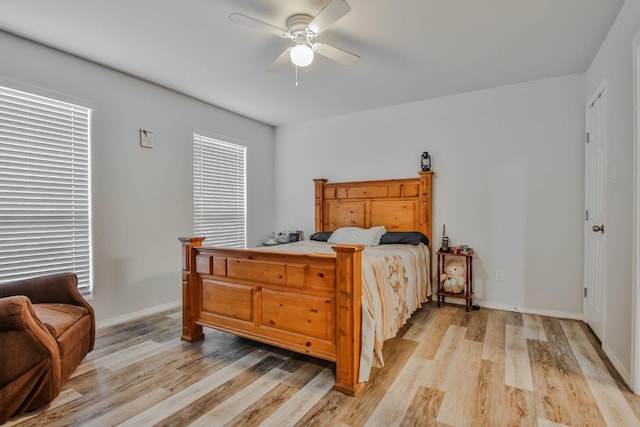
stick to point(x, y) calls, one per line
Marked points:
point(319, 185)
point(349, 317)
point(426, 208)
point(190, 331)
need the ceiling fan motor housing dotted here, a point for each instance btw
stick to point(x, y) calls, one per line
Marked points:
point(297, 25)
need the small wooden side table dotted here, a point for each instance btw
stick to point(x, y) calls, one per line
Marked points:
point(467, 293)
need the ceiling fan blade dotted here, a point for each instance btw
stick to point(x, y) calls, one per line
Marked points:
point(280, 60)
point(256, 24)
point(339, 55)
point(330, 14)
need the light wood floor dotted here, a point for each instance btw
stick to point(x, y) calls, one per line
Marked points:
point(447, 367)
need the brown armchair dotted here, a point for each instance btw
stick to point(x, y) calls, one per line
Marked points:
point(46, 329)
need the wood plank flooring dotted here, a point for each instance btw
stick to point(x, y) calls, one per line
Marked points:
point(445, 368)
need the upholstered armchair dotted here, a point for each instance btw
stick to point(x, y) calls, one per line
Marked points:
point(46, 329)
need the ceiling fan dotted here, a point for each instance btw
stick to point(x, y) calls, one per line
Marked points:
point(302, 29)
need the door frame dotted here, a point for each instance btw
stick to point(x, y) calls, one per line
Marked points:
point(635, 260)
point(600, 90)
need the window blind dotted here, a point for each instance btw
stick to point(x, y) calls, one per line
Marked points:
point(44, 188)
point(219, 191)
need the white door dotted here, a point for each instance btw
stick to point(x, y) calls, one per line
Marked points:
point(595, 230)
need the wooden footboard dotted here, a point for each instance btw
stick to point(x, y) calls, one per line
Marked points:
point(305, 303)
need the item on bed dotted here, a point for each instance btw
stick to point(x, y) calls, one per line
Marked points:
point(283, 237)
point(404, 238)
point(296, 236)
point(321, 236)
point(272, 240)
point(357, 236)
point(315, 303)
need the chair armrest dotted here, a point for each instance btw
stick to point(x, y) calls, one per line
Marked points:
point(17, 314)
point(14, 313)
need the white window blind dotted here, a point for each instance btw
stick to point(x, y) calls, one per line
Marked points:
point(44, 188)
point(219, 191)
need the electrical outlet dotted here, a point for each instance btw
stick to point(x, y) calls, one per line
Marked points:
point(500, 274)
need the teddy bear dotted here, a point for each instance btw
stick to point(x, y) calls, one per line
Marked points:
point(453, 277)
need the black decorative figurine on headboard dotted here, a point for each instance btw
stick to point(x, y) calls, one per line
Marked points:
point(425, 162)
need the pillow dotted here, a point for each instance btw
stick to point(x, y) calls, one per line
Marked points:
point(403, 238)
point(357, 236)
point(321, 236)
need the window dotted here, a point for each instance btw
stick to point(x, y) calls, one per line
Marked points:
point(219, 189)
point(44, 188)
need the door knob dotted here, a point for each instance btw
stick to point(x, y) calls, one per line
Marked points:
point(599, 228)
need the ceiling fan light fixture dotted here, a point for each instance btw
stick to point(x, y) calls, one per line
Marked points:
point(301, 55)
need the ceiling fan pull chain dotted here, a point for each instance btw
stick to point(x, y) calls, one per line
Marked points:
point(296, 76)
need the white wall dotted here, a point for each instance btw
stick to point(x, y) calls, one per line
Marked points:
point(142, 198)
point(613, 68)
point(509, 166)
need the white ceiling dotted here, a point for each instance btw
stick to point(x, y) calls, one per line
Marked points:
point(411, 49)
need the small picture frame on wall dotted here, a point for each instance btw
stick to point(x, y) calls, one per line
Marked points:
point(146, 138)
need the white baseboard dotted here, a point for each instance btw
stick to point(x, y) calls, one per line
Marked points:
point(138, 314)
point(626, 377)
point(527, 310)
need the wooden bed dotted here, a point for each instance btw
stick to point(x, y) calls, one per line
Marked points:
point(309, 303)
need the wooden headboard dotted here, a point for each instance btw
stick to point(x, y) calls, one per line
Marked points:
point(398, 204)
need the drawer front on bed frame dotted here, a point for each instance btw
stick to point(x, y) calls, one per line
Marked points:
point(307, 315)
point(228, 300)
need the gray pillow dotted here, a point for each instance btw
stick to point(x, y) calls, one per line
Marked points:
point(321, 236)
